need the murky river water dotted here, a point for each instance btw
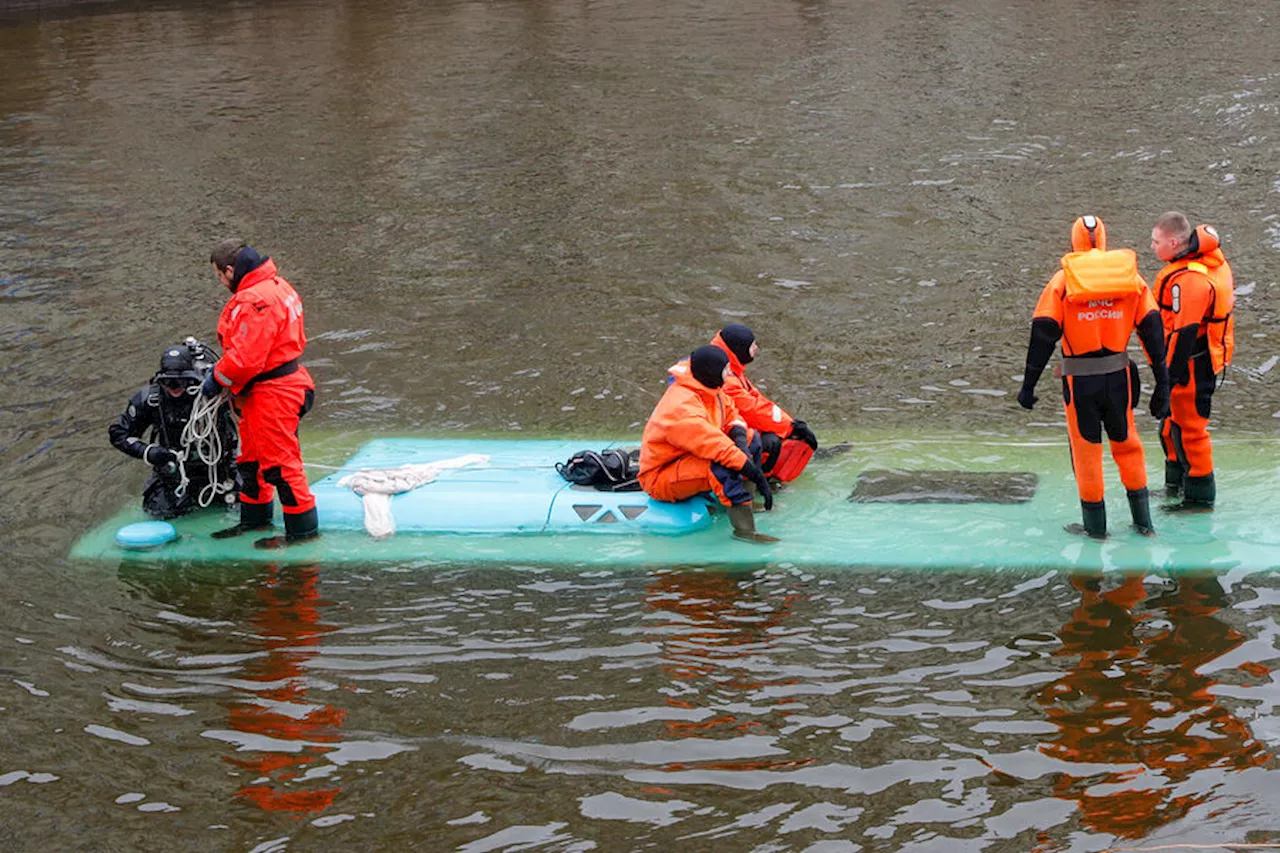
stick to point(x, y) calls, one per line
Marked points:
point(508, 218)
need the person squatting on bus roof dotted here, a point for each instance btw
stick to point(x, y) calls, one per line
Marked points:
point(1094, 304)
point(695, 442)
point(187, 472)
point(262, 337)
point(783, 439)
point(1196, 294)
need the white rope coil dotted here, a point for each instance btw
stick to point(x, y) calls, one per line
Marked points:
point(376, 486)
point(202, 443)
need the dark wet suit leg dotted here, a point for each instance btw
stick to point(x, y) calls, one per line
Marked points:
point(1095, 404)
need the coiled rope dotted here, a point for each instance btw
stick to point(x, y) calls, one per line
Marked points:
point(202, 443)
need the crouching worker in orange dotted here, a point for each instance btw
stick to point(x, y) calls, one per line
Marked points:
point(695, 442)
point(262, 338)
point(1196, 296)
point(1093, 304)
point(786, 444)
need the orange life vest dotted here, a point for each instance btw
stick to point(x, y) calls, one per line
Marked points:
point(792, 457)
point(1097, 299)
point(1213, 283)
point(1099, 274)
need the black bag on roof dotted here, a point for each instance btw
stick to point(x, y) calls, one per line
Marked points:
point(612, 470)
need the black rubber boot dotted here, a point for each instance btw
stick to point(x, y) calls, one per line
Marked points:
point(298, 527)
point(1198, 495)
point(1201, 490)
point(252, 517)
point(1140, 509)
point(744, 525)
point(1094, 514)
point(1173, 478)
point(753, 492)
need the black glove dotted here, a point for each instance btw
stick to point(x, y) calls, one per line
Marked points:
point(739, 436)
point(159, 457)
point(1027, 398)
point(800, 430)
point(770, 444)
point(752, 472)
point(1160, 402)
point(210, 386)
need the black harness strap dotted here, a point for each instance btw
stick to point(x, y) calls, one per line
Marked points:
point(276, 372)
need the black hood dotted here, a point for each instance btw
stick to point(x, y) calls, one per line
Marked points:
point(707, 363)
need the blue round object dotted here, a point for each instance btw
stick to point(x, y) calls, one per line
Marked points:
point(145, 534)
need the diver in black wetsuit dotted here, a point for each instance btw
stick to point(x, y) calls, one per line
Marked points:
point(181, 479)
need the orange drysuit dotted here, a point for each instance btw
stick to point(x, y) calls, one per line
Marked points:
point(756, 409)
point(685, 449)
point(1196, 295)
point(1094, 304)
point(766, 417)
point(262, 336)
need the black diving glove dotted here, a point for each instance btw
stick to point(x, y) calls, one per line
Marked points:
point(210, 386)
point(1160, 402)
point(770, 444)
point(1027, 398)
point(752, 472)
point(800, 430)
point(739, 436)
point(159, 457)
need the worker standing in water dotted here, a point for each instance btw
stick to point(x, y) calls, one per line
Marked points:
point(1196, 294)
point(695, 443)
point(188, 471)
point(1093, 305)
point(262, 337)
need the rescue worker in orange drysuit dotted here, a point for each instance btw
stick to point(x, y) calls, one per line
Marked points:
point(781, 436)
point(695, 442)
point(1196, 295)
point(1094, 303)
point(262, 338)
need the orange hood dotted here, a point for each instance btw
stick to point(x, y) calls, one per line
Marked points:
point(1205, 247)
point(1088, 232)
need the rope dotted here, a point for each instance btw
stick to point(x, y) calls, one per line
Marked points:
point(202, 442)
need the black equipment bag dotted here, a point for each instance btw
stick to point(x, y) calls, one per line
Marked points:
point(612, 470)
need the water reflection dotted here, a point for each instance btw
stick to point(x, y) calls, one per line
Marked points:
point(290, 628)
point(769, 707)
point(279, 733)
point(718, 624)
point(1135, 712)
